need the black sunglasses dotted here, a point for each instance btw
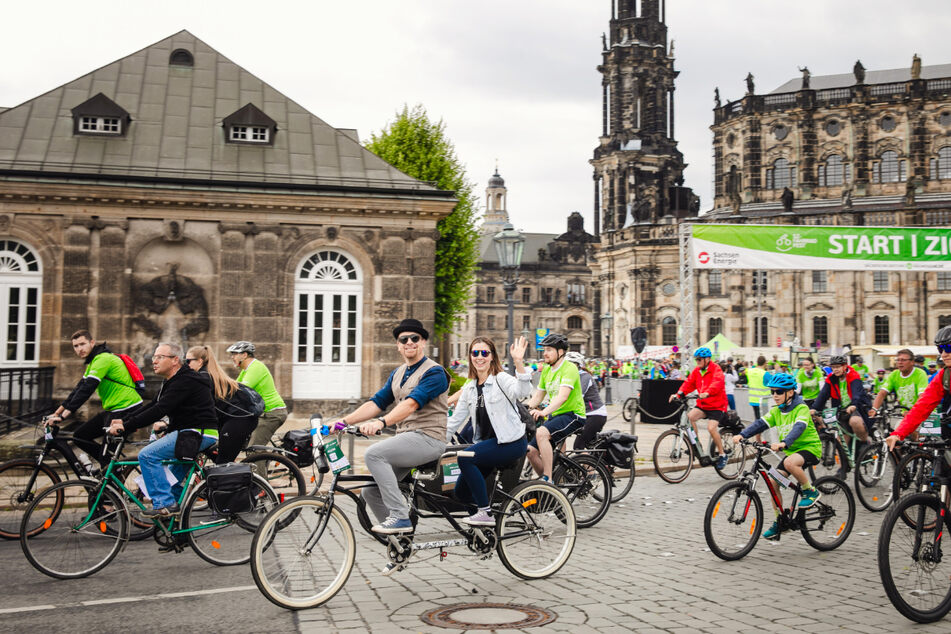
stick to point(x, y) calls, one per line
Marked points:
point(190, 360)
point(413, 338)
point(480, 353)
point(777, 390)
point(944, 347)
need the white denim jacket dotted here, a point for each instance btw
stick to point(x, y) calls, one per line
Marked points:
point(500, 407)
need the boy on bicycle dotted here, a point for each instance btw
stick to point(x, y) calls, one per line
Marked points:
point(935, 395)
point(800, 440)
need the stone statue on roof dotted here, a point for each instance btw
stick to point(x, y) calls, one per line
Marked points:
point(716, 96)
point(750, 87)
point(805, 77)
point(847, 197)
point(604, 41)
point(671, 54)
point(916, 67)
point(859, 71)
point(787, 197)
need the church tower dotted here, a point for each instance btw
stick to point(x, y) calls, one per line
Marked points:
point(496, 205)
point(638, 170)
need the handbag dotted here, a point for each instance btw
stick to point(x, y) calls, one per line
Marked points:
point(187, 444)
point(522, 412)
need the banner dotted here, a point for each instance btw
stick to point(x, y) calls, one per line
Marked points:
point(820, 248)
point(540, 333)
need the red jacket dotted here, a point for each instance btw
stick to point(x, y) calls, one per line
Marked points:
point(711, 382)
point(926, 403)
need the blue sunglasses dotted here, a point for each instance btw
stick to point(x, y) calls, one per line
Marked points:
point(944, 347)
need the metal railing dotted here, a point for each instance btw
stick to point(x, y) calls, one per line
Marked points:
point(26, 394)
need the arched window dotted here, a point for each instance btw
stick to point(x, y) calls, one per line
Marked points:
point(832, 172)
point(941, 166)
point(575, 323)
point(888, 169)
point(668, 331)
point(21, 284)
point(714, 327)
point(780, 175)
point(328, 302)
point(881, 329)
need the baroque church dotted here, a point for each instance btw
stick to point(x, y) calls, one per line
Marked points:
point(861, 148)
point(173, 196)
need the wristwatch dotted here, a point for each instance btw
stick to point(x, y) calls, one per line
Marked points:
point(382, 420)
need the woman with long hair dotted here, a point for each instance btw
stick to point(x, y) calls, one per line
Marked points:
point(489, 397)
point(236, 420)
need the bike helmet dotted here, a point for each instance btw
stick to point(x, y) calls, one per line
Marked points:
point(241, 346)
point(880, 371)
point(702, 353)
point(943, 337)
point(838, 360)
point(554, 340)
point(780, 381)
point(859, 359)
point(575, 357)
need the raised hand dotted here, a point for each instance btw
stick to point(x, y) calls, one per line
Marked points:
point(517, 349)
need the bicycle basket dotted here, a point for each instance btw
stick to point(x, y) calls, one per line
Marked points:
point(300, 443)
point(229, 488)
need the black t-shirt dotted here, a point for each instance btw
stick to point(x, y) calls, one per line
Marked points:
point(482, 423)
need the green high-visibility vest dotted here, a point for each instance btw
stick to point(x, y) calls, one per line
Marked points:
point(754, 382)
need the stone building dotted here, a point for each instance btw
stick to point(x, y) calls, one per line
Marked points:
point(172, 195)
point(554, 288)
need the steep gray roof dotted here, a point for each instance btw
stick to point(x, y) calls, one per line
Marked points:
point(176, 130)
point(844, 80)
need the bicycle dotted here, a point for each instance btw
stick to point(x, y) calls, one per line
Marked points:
point(304, 550)
point(615, 452)
point(734, 515)
point(21, 479)
point(86, 522)
point(300, 453)
point(912, 564)
point(629, 409)
point(676, 449)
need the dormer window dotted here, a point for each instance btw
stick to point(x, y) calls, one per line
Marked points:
point(100, 116)
point(249, 125)
point(181, 57)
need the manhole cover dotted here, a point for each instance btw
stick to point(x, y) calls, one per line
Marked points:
point(488, 616)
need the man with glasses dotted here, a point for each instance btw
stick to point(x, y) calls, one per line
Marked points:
point(419, 389)
point(907, 382)
point(937, 391)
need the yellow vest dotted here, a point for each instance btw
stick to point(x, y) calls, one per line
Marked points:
point(754, 382)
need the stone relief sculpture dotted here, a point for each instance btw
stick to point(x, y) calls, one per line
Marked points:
point(172, 307)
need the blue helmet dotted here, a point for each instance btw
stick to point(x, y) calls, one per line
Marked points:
point(702, 353)
point(780, 381)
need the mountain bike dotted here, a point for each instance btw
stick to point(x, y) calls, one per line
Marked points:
point(304, 550)
point(676, 449)
point(915, 572)
point(85, 522)
point(733, 519)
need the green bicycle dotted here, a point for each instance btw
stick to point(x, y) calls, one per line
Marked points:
point(86, 522)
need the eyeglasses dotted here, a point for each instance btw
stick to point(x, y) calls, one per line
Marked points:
point(164, 356)
point(777, 390)
point(944, 347)
point(405, 338)
point(480, 353)
point(190, 360)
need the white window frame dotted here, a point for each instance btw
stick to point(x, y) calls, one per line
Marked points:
point(21, 275)
point(100, 125)
point(250, 133)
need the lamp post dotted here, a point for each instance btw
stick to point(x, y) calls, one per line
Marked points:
point(606, 321)
point(508, 246)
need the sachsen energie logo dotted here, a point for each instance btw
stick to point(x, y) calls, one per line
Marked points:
point(703, 257)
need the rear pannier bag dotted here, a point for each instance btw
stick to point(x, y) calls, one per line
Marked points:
point(229, 488)
point(300, 443)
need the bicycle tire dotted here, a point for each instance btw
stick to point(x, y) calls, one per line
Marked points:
point(139, 527)
point(282, 473)
point(545, 514)
point(629, 409)
point(69, 547)
point(874, 477)
point(834, 461)
point(734, 465)
point(14, 497)
point(836, 499)
point(736, 528)
point(620, 485)
point(922, 574)
point(587, 485)
point(225, 541)
point(910, 474)
point(278, 553)
point(674, 463)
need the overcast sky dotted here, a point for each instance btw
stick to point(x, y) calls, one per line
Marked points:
point(514, 80)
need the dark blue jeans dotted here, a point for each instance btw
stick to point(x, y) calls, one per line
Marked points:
point(488, 455)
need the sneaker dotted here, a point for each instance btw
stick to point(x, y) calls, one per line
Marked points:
point(772, 532)
point(393, 526)
point(809, 497)
point(165, 511)
point(390, 568)
point(721, 462)
point(482, 518)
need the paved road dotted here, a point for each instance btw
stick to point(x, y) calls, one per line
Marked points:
point(644, 568)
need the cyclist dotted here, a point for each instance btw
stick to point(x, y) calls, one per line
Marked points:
point(488, 399)
point(754, 383)
point(107, 375)
point(419, 390)
point(596, 413)
point(707, 379)
point(932, 370)
point(799, 440)
point(809, 377)
point(565, 412)
point(937, 391)
point(879, 380)
point(256, 376)
point(860, 367)
point(853, 397)
point(907, 382)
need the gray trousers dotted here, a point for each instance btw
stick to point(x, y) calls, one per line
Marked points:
point(268, 423)
point(389, 461)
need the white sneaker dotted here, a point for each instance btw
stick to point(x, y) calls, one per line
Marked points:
point(481, 518)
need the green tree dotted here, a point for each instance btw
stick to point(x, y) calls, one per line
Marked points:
point(418, 146)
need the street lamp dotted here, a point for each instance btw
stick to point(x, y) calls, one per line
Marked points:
point(508, 246)
point(606, 321)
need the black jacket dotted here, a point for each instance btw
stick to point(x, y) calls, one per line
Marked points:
point(186, 398)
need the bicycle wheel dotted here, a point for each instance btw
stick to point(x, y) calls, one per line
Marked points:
point(833, 462)
point(911, 473)
point(915, 570)
point(282, 473)
point(536, 530)
point(622, 478)
point(225, 540)
point(83, 537)
point(139, 527)
point(826, 524)
point(302, 553)
point(875, 470)
point(673, 456)
point(734, 466)
point(733, 521)
point(16, 496)
point(587, 485)
point(629, 409)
